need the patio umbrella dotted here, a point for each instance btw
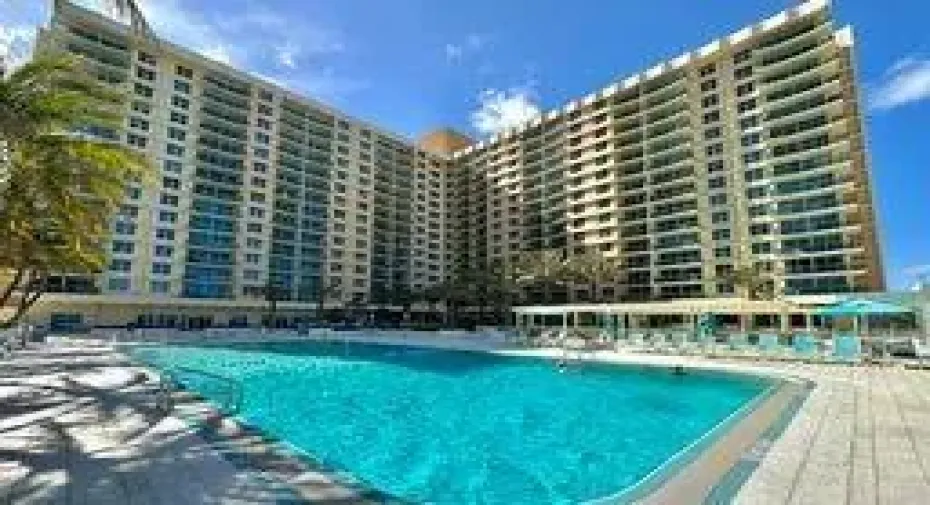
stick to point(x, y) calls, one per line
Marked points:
point(856, 308)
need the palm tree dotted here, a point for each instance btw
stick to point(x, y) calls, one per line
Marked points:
point(752, 283)
point(502, 288)
point(274, 293)
point(542, 268)
point(64, 175)
point(592, 268)
point(322, 295)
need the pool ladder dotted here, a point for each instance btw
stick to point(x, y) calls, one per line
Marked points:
point(231, 397)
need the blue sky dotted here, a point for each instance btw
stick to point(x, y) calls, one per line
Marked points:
point(411, 65)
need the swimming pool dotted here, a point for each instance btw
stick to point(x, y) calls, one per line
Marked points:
point(452, 427)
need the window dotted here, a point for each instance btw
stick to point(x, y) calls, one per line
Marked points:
point(172, 166)
point(160, 287)
point(136, 140)
point(721, 234)
point(750, 140)
point(712, 133)
point(184, 72)
point(760, 229)
point(139, 123)
point(120, 265)
point(708, 69)
point(169, 200)
point(164, 233)
point(718, 199)
point(167, 216)
point(260, 167)
point(742, 73)
point(265, 95)
point(146, 58)
point(717, 182)
point(161, 268)
point(262, 138)
point(715, 166)
point(180, 102)
point(714, 149)
point(264, 109)
point(145, 74)
point(141, 107)
point(260, 153)
point(708, 85)
point(755, 192)
point(174, 150)
point(711, 117)
point(118, 284)
point(176, 134)
point(164, 251)
point(744, 89)
point(256, 212)
point(721, 216)
point(253, 243)
point(752, 157)
point(753, 175)
point(263, 123)
point(123, 247)
point(722, 252)
point(710, 101)
point(746, 105)
point(253, 227)
point(182, 87)
point(253, 259)
point(124, 228)
point(749, 122)
point(143, 90)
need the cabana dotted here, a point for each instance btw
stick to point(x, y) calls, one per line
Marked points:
point(620, 319)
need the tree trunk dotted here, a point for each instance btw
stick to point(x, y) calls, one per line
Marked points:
point(29, 295)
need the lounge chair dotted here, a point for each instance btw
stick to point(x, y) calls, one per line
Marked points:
point(847, 349)
point(805, 347)
point(921, 351)
point(769, 346)
point(737, 346)
point(637, 340)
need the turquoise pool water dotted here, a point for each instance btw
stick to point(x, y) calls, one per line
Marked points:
point(451, 427)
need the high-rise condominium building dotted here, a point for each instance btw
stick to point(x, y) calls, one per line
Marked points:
point(745, 153)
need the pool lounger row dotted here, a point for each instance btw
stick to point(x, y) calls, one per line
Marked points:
point(802, 347)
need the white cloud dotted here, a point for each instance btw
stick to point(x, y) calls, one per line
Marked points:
point(454, 52)
point(472, 43)
point(502, 109)
point(249, 35)
point(905, 82)
point(218, 53)
point(287, 55)
point(16, 43)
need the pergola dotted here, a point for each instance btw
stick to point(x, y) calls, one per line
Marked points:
point(629, 316)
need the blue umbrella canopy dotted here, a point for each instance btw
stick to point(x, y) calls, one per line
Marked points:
point(856, 307)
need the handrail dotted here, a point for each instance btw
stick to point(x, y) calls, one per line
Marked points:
point(234, 386)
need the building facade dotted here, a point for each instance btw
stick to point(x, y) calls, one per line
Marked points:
point(745, 153)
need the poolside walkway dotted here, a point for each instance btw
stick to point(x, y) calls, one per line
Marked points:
point(78, 426)
point(862, 437)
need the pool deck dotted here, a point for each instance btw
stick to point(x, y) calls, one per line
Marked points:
point(76, 427)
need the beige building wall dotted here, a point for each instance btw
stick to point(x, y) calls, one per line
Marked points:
point(747, 152)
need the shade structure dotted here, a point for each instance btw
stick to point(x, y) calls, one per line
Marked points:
point(855, 307)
